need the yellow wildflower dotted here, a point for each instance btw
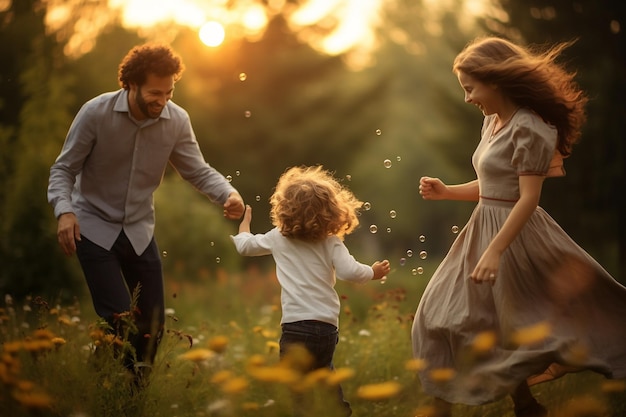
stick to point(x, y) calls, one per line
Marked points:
point(33, 399)
point(484, 342)
point(339, 375)
point(218, 344)
point(442, 374)
point(197, 355)
point(274, 374)
point(256, 360)
point(532, 334)
point(272, 346)
point(222, 376)
point(250, 406)
point(377, 392)
point(415, 365)
point(235, 385)
point(43, 334)
point(614, 385)
point(58, 341)
point(65, 320)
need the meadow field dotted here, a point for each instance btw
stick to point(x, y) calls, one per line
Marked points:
point(219, 357)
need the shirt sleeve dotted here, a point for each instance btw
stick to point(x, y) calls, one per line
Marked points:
point(346, 267)
point(248, 244)
point(189, 162)
point(78, 144)
point(534, 144)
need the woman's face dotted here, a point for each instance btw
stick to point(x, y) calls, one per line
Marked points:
point(484, 96)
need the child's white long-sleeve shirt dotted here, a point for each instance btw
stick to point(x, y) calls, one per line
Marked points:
point(306, 272)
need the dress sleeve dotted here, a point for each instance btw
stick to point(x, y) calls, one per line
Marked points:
point(535, 150)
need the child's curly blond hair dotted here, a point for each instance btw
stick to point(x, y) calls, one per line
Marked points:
point(310, 204)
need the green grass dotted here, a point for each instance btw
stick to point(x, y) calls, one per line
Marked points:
point(63, 377)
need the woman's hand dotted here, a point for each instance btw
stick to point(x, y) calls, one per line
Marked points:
point(487, 268)
point(432, 188)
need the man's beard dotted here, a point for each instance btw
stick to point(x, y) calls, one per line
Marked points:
point(143, 106)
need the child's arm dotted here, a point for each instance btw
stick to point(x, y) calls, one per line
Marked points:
point(381, 268)
point(244, 226)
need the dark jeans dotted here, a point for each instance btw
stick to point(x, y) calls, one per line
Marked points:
point(112, 276)
point(320, 339)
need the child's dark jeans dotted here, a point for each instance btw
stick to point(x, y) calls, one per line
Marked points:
point(320, 339)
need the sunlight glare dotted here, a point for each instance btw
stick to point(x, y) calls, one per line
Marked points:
point(212, 34)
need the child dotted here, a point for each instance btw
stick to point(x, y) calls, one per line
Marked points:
point(311, 213)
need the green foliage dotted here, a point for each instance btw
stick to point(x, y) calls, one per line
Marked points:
point(219, 357)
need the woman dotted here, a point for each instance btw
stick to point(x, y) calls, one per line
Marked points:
point(516, 301)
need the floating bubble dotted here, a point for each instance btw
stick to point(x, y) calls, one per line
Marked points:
point(414, 271)
point(349, 177)
point(387, 163)
point(420, 270)
point(402, 261)
point(383, 280)
point(212, 243)
point(373, 228)
point(392, 214)
point(164, 254)
point(389, 230)
point(247, 113)
point(257, 198)
point(455, 229)
point(409, 253)
point(367, 206)
point(379, 132)
point(398, 158)
point(237, 173)
point(422, 238)
point(243, 76)
point(423, 254)
point(218, 260)
point(229, 178)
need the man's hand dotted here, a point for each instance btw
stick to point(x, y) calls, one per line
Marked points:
point(68, 232)
point(234, 207)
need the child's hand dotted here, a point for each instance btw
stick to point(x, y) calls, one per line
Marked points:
point(247, 219)
point(381, 269)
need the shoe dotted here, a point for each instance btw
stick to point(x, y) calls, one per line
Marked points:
point(532, 410)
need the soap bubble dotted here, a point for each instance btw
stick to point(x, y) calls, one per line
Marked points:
point(420, 270)
point(165, 254)
point(242, 76)
point(257, 198)
point(455, 229)
point(398, 158)
point(349, 177)
point(414, 271)
point(373, 228)
point(422, 238)
point(387, 163)
point(402, 261)
point(392, 214)
point(409, 253)
point(229, 178)
point(423, 254)
point(247, 114)
point(378, 132)
point(389, 230)
point(367, 206)
point(218, 260)
point(237, 173)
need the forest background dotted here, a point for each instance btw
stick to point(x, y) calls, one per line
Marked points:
point(262, 102)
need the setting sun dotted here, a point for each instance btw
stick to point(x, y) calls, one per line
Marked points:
point(212, 34)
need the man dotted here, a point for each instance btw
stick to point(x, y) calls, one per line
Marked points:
point(102, 183)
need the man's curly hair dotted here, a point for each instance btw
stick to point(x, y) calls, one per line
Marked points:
point(156, 59)
point(310, 204)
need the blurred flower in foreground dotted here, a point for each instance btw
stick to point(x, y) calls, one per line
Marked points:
point(426, 411)
point(33, 400)
point(274, 374)
point(484, 342)
point(584, 406)
point(218, 344)
point(442, 374)
point(532, 334)
point(197, 355)
point(415, 365)
point(272, 346)
point(382, 391)
point(613, 386)
point(235, 385)
point(339, 375)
